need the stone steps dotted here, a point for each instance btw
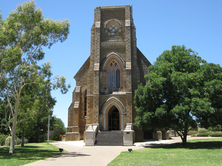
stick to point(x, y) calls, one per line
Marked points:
point(109, 138)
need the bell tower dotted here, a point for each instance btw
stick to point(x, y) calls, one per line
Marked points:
point(110, 76)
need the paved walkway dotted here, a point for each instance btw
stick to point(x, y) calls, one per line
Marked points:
point(80, 155)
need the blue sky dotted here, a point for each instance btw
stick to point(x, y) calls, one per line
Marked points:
point(197, 24)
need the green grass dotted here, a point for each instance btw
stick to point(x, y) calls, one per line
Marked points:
point(50, 140)
point(197, 152)
point(30, 153)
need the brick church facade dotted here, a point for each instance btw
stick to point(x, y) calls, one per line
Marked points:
point(106, 82)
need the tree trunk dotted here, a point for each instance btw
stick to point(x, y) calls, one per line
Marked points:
point(185, 135)
point(23, 130)
point(184, 140)
point(12, 145)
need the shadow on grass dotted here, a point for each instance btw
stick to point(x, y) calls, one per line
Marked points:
point(33, 153)
point(192, 145)
point(26, 154)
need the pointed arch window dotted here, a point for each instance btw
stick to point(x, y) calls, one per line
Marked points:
point(113, 75)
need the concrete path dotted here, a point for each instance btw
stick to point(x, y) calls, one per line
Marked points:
point(80, 155)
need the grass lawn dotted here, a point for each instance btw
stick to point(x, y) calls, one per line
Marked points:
point(197, 152)
point(50, 140)
point(30, 153)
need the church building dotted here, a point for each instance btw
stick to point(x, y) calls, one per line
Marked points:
point(102, 100)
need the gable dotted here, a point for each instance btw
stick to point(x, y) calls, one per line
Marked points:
point(82, 71)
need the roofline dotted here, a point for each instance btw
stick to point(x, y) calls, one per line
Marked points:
point(108, 7)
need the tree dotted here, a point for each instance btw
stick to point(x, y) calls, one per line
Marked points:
point(174, 92)
point(212, 83)
point(58, 129)
point(35, 104)
point(23, 35)
point(4, 113)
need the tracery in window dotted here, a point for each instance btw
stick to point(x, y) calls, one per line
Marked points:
point(117, 78)
point(113, 79)
point(113, 75)
point(112, 27)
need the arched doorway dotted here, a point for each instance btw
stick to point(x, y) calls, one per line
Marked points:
point(114, 117)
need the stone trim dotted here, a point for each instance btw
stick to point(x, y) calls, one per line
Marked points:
point(127, 22)
point(107, 21)
point(96, 66)
point(76, 105)
point(112, 101)
point(128, 65)
point(109, 56)
point(97, 24)
point(77, 89)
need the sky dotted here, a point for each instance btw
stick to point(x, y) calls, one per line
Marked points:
point(197, 24)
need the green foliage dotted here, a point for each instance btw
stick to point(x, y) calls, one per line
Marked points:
point(177, 89)
point(204, 134)
point(216, 133)
point(8, 140)
point(212, 89)
point(202, 130)
point(193, 135)
point(191, 132)
point(58, 129)
point(23, 35)
point(216, 128)
point(2, 139)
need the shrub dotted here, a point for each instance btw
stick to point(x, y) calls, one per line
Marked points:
point(216, 134)
point(2, 139)
point(8, 140)
point(193, 135)
point(17, 141)
point(202, 130)
point(191, 132)
point(216, 128)
point(204, 134)
point(26, 140)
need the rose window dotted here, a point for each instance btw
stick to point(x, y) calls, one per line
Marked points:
point(113, 27)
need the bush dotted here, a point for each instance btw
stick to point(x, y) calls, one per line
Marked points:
point(202, 130)
point(8, 140)
point(191, 132)
point(193, 135)
point(216, 134)
point(2, 139)
point(17, 141)
point(204, 134)
point(26, 140)
point(216, 128)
